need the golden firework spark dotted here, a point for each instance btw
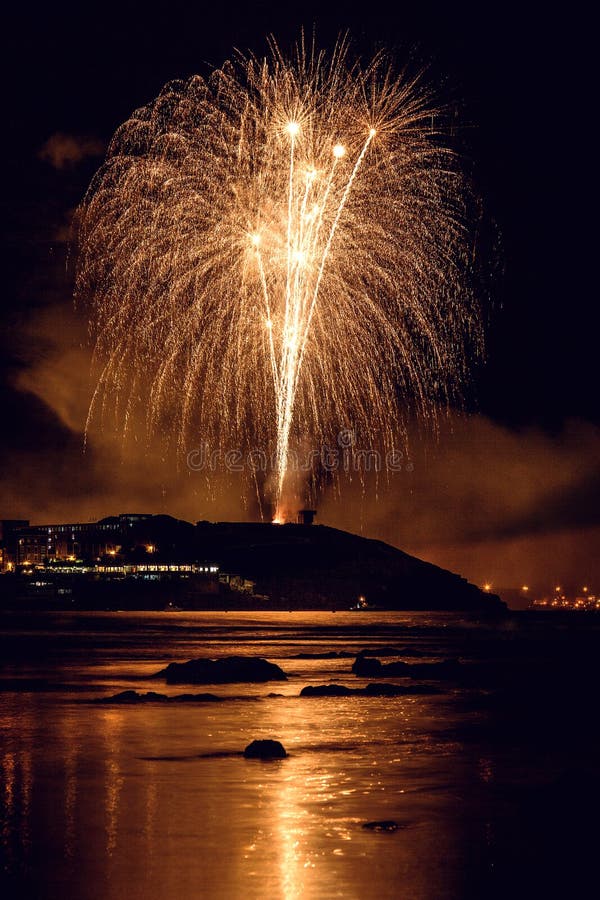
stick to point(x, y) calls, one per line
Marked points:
point(276, 252)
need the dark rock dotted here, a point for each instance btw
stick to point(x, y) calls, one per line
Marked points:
point(449, 668)
point(391, 651)
point(133, 697)
point(365, 667)
point(152, 697)
point(222, 671)
point(265, 749)
point(385, 825)
point(123, 697)
point(371, 690)
point(326, 690)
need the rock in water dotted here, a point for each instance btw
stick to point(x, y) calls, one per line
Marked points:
point(222, 671)
point(265, 749)
point(368, 667)
point(326, 690)
point(378, 689)
point(385, 825)
point(153, 697)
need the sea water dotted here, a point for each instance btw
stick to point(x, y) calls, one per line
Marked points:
point(103, 801)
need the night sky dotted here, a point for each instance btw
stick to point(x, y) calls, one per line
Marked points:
point(510, 494)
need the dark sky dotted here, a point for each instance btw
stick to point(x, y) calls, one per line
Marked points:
point(523, 479)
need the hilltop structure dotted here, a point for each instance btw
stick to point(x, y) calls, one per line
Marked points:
point(223, 565)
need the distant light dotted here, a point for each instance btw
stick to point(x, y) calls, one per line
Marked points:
point(487, 587)
point(558, 588)
point(150, 548)
point(585, 589)
point(525, 588)
point(339, 150)
point(292, 128)
point(372, 132)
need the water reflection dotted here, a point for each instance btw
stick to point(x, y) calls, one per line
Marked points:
point(294, 860)
point(26, 767)
point(150, 809)
point(112, 727)
point(8, 808)
point(112, 802)
point(16, 784)
point(71, 792)
point(105, 802)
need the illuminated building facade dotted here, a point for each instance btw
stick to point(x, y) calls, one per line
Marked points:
point(9, 531)
point(157, 543)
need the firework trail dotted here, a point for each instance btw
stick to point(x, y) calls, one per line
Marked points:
point(277, 252)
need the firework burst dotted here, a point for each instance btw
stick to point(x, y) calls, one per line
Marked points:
point(277, 252)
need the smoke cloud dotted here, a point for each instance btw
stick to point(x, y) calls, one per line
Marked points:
point(64, 151)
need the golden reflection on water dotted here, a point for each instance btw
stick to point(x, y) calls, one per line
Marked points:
point(150, 808)
point(179, 824)
point(157, 802)
point(8, 781)
point(16, 786)
point(26, 765)
point(294, 860)
point(8, 798)
point(112, 720)
point(312, 809)
point(151, 823)
point(71, 791)
point(486, 769)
